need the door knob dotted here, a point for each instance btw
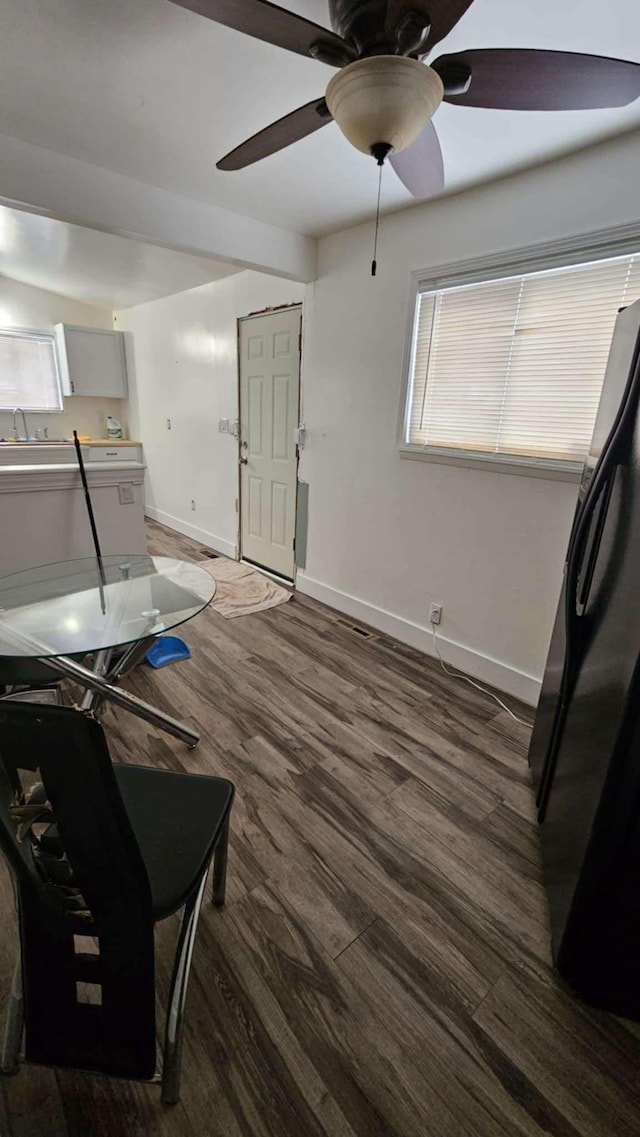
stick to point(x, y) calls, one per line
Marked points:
point(242, 461)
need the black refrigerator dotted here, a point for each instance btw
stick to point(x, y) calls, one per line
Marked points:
point(585, 747)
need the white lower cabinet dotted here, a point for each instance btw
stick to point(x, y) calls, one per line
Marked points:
point(43, 514)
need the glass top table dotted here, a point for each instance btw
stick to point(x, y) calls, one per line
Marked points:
point(73, 608)
point(110, 609)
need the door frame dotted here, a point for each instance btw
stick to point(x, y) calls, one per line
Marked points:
point(240, 320)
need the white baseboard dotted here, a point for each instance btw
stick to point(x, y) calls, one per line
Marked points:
point(218, 544)
point(474, 663)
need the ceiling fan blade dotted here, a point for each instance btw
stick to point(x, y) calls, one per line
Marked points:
point(420, 167)
point(520, 79)
point(271, 23)
point(291, 128)
point(444, 16)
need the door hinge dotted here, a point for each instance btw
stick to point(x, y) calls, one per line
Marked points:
point(73, 387)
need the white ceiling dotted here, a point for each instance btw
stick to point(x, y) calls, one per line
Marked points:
point(152, 91)
point(99, 268)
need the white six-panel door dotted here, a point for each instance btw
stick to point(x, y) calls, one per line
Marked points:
point(269, 407)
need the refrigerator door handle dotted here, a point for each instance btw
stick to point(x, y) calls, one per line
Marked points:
point(600, 494)
point(601, 483)
point(591, 547)
point(592, 520)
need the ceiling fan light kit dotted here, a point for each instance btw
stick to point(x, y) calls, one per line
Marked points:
point(384, 99)
point(385, 95)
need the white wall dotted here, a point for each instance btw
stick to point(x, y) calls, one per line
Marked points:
point(22, 306)
point(389, 535)
point(386, 535)
point(182, 365)
point(55, 184)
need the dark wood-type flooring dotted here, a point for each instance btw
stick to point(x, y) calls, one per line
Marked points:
point(382, 966)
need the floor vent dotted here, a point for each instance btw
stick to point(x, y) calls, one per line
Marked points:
point(209, 553)
point(364, 633)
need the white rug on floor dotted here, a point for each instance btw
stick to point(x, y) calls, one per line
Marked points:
point(241, 590)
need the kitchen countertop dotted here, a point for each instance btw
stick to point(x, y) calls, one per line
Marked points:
point(66, 475)
point(40, 462)
point(57, 466)
point(70, 442)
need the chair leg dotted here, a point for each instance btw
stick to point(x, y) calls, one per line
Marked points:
point(172, 1058)
point(13, 1025)
point(220, 867)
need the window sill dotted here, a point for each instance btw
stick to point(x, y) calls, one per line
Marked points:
point(529, 467)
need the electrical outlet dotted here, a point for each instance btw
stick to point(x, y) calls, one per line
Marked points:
point(193, 504)
point(168, 424)
point(435, 613)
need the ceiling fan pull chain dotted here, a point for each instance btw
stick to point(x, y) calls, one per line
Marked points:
point(374, 263)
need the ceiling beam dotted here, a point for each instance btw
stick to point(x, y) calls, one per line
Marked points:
point(42, 181)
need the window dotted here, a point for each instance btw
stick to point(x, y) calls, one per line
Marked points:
point(29, 376)
point(512, 368)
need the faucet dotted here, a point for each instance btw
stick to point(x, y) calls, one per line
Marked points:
point(19, 410)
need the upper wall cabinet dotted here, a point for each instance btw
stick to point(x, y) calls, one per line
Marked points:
point(92, 361)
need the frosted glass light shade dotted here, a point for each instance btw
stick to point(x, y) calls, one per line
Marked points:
point(385, 98)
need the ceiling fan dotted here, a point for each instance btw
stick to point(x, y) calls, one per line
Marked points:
point(384, 95)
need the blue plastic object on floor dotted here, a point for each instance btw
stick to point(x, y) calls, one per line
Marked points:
point(167, 649)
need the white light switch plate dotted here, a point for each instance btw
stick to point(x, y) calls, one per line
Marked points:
point(125, 493)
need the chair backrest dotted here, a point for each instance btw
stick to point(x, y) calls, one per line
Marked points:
point(14, 670)
point(25, 671)
point(88, 977)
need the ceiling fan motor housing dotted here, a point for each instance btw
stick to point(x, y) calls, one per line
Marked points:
point(384, 99)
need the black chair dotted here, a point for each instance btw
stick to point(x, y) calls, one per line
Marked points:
point(23, 675)
point(99, 854)
point(15, 677)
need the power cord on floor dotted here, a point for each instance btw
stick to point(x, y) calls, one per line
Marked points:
point(472, 682)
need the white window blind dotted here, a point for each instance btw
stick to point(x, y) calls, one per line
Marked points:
point(514, 367)
point(29, 376)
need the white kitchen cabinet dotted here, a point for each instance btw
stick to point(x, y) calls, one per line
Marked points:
point(43, 510)
point(92, 361)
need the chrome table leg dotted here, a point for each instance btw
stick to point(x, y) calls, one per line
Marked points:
point(124, 699)
point(134, 655)
point(91, 701)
